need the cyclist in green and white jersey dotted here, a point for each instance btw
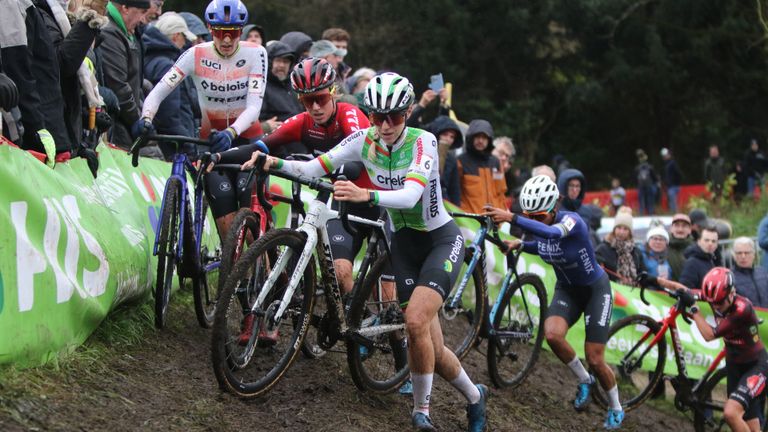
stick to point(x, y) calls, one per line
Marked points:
point(427, 246)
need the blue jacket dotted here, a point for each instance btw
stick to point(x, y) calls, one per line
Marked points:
point(752, 284)
point(655, 262)
point(175, 115)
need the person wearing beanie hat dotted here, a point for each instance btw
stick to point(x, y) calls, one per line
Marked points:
point(618, 254)
point(655, 252)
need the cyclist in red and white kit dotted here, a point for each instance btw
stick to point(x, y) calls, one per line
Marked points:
point(746, 360)
point(230, 79)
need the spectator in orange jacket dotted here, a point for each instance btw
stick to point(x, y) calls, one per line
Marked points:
point(480, 173)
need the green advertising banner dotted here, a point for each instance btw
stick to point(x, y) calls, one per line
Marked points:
point(73, 248)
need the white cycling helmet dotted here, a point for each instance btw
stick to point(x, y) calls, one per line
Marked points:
point(387, 93)
point(539, 194)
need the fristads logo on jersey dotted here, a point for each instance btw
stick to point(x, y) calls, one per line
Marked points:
point(210, 64)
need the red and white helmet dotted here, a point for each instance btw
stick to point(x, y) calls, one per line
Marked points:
point(717, 284)
point(312, 74)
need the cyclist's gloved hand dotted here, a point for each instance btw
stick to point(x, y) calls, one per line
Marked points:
point(222, 140)
point(142, 127)
point(9, 94)
point(686, 299)
point(646, 280)
point(261, 146)
point(46, 140)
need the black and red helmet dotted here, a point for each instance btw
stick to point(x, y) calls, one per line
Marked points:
point(717, 284)
point(312, 74)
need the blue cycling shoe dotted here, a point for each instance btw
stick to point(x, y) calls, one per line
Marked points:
point(477, 419)
point(613, 419)
point(407, 388)
point(582, 394)
point(422, 422)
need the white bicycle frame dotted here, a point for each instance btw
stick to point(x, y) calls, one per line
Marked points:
point(315, 221)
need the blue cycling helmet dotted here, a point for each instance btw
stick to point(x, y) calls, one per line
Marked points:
point(226, 13)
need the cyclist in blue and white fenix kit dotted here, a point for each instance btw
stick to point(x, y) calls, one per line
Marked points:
point(427, 246)
point(561, 238)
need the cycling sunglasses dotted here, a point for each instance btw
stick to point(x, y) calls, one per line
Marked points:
point(309, 100)
point(537, 216)
point(394, 119)
point(221, 32)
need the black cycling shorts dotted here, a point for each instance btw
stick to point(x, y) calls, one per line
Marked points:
point(432, 259)
point(594, 301)
point(226, 193)
point(343, 244)
point(746, 384)
point(225, 189)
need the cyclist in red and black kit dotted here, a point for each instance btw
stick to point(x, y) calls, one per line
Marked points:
point(746, 360)
point(324, 124)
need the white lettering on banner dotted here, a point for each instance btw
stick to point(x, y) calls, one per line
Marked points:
point(31, 262)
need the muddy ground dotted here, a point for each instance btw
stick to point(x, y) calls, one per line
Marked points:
point(164, 381)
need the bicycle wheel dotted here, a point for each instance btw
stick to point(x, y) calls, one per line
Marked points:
point(205, 284)
point(708, 412)
point(461, 322)
point(250, 350)
point(378, 361)
point(244, 228)
point(637, 365)
point(166, 251)
point(514, 345)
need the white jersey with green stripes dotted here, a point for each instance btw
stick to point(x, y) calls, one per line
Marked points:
point(405, 175)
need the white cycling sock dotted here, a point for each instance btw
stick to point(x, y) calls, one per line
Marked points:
point(465, 385)
point(422, 389)
point(579, 371)
point(613, 395)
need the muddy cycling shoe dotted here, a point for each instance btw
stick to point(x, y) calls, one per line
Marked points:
point(245, 334)
point(422, 422)
point(613, 419)
point(267, 337)
point(476, 414)
point(407, 388)
point(582, 394)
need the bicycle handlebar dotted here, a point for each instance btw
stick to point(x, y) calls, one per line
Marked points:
point(144, 139)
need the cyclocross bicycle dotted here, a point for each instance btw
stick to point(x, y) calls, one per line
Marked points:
point(282, 266)
point(182, 239)
point(641, 341)
point(512, 325)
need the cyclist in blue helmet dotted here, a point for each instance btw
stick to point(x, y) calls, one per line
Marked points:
point(230, 78)
point(225, 19)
